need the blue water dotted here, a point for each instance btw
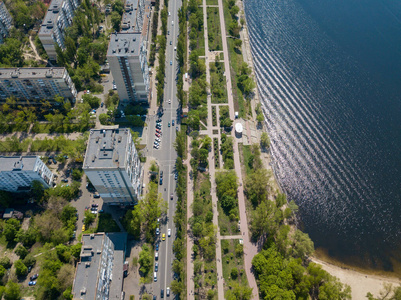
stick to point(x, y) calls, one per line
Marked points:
point(329, 74)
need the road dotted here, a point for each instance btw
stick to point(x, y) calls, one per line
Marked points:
point(166, 154)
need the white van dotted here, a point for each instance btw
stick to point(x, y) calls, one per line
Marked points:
point(172, 23)
point(155, 276)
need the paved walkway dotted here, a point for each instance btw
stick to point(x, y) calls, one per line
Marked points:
point(250, 249)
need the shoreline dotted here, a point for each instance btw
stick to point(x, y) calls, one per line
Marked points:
point(359, 279)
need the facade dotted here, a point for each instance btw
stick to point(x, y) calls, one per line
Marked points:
point(35, 84)
point(127, 53)
point(18, 172)
point(113, 167)
point(5, 22)
point(58, 17)
point(99, 274)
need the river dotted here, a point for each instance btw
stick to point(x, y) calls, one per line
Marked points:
point(329, 75)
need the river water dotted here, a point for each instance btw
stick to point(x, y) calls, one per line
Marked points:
point(329, 75)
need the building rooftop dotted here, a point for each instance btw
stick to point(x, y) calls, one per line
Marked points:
point(124, 44)
point(129, 19)
point(50, 19)
point(107, 148)
point(16, 163)
point(29, 73)
point(100, 269)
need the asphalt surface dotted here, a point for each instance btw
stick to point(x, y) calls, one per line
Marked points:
point(166, 154)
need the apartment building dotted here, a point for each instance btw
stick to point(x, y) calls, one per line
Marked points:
point(34, 84)
point(99, 274)
point(5, 22)
point(127, 53)
point(58, 17)
point(113, 166)
point(18, 172)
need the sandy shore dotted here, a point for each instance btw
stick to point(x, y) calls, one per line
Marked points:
point(360, 283)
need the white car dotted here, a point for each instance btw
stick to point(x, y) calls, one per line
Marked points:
point(157, 231)
point(156, 255)
point(169, 101)
point(175, 48)
point(157, 140)
point(169, 232)
point(168, 292)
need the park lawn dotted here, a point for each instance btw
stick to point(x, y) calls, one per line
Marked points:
point(232, 260)
point(106, 223)
point(227, 226)
point(214, 30)
point(218, 84)
point(212, 2)
point(246, 155)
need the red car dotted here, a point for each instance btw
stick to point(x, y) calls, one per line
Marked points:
point(158, 131)
point(156, 134)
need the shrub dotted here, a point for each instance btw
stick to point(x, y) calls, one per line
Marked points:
point(20, 268)
point(234, 273)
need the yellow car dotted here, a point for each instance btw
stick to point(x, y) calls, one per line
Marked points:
point(83, 227)
point(163, 236)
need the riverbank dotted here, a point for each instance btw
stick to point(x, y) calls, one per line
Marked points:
point(361, 281)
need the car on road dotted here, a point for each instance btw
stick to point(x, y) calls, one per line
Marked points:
point(171, 196)
point(171, 42)
point(156, 267)
point(162, 293)
point(168, 124)
point(96, 196)
point(171, 62)
point(168, 292)
point(163, 237)
point(32, 283)
point(102, 104)
point(169, 232)
point(168, 32)
point(33, 277)
point(161, 181)
point(169, 101)
point(154, 297)
point(172, 122)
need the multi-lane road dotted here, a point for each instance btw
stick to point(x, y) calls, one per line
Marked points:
point(166, 154)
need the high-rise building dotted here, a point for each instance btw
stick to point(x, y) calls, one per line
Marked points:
point(58, 17)
point(127, 53)
point(99, 273)
point(18, 172)
point(35, 84)
point(113, 166)
point(5, 21)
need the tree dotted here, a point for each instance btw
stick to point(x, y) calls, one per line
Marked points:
point(12, 291)
point(66, 276)
point(20, 268)
point(21, 251)
point(103, 119)
point(5, 262)
point(89, 218)
point(228, 202)
point(255, 186)
point(234, 273)
point(177, 287)
point(93, 101)
point(264, 140)
point(302, 245)
point(10, 229)
point(145, 260)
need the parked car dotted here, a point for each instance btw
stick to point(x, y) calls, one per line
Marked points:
point(157, 256)
point(171, 196)
point(158, 120)
point(161, 181)
point(95, 205)
point(172, 122)
point(101, 104)
point(157, 231)
point(156, 146)
point(157, 134)
point(171, 62)
point(168, 124)
point(64, 180)
point(32, 283)
point(96, 196)
point(33, 277)
point(157, 247)
point(169, 232)
point(156, 267)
